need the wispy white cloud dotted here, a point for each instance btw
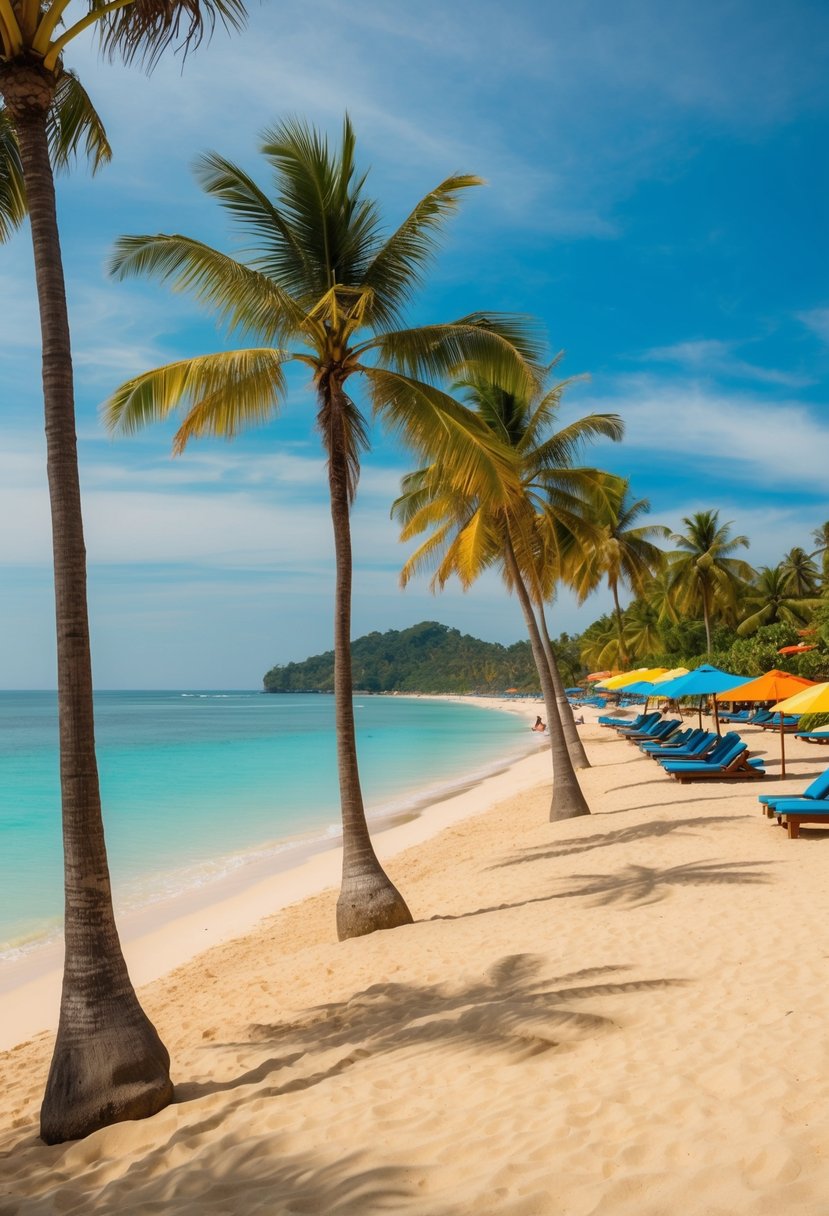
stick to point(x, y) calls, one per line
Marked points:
point(714, 357)
point(816, 320)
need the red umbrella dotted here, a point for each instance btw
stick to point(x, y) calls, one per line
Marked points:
point(800, 648)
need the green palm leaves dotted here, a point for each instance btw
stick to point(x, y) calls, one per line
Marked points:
point(704, 572)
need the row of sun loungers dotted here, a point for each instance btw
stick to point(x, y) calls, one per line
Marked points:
point(688, 754)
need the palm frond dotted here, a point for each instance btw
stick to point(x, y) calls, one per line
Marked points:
point(13, 207)
point(502, 349)
point(320, 196)
point(241, 298)
point(218, 394)
point(142, 30)
point(396, 269)
point(74, 126)
point(434, 425)
point(282, 257)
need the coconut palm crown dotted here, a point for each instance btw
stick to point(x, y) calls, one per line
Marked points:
point(705, 576)
point(326, 286)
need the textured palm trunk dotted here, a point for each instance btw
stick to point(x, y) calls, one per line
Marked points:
point(368, 899)
point(620, 625)
point(109, 1063)
point(706, 616)
point(568, 801)
point(574, 744)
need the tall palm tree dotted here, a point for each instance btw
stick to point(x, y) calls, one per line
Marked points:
point(771, 599)
point(625, 554)
point(327, 277)
point(801, 573)
point(705, 577)
point(109, 1063)
point(525, 536)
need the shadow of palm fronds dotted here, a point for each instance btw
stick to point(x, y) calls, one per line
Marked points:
point(638, 884)
point(514, 1009)
point(629, 835)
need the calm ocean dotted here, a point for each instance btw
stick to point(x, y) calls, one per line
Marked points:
point(197, 784)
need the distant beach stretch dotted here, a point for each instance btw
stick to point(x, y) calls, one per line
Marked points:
point(606, 1015)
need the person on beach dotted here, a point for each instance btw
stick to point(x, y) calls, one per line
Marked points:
point(539, 725)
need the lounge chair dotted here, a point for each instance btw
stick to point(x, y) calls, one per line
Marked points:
point(725, 763)
point(786, 723)
point(651, 722)
point(636, 723)
point(813, 736)
point(659, 730)
point(802, 810)
point(817, 790)
point(698, 750)
point(680, 738)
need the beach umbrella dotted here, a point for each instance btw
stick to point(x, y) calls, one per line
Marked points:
point(814, 700)
point(630, 677)
point(800, 648)
point(599, 675)
point(773, 686)
point(704, 681)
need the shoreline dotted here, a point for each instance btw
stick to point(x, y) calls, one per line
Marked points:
point(167, 933)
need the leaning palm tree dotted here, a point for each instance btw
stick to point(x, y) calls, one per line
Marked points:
point(770, 600)
point(625, 554)
point(705, 577)
point(109, 1063)
point(526, 537)
point(329, 281)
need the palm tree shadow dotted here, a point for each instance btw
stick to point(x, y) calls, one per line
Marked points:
point(629, 835)
point(512, 1010)
point(638, 884)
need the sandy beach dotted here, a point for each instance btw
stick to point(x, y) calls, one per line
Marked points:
point(618, 1014)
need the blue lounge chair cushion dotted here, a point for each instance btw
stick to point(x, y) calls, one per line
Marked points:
point(802, 806)
point(819, 788)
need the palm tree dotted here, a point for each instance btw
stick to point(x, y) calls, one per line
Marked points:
point(771, 600)
point(327, 278)
point(526, 536)
point(109, 1063)
point(801, 573)
point(625, 553)
point(705, 577)
point(821, 538)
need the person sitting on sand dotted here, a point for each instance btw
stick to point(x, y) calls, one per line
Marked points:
point(539, 725)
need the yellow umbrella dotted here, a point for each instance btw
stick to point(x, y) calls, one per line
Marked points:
point(630, 677)
point(814, 700)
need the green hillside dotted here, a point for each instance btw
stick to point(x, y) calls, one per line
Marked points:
point(428, 657)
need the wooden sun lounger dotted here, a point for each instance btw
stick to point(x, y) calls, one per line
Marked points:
point(739, 767)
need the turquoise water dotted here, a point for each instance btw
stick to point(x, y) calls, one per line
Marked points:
point(196, 784)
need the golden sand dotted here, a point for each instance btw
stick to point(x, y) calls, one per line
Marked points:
point(621, 1014)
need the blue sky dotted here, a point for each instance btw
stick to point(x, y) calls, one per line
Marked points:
point(657, 196)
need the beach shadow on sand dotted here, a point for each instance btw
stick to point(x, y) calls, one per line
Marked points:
point(620, 836)
point(514, 1009)
point(637, 884)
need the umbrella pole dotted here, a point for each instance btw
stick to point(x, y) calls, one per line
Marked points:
point(782, 750)
point(716, 716)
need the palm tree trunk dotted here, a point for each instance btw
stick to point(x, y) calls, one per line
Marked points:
point(109, 1063)
point(620, 625)
point(574, 744)
point(368, 899)
point(707, 619)
point(568, 801)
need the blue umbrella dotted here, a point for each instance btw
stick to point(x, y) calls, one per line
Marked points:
point(703, 682)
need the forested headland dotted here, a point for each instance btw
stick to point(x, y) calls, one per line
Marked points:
point(428, 657)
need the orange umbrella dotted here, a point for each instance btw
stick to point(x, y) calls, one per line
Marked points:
point(773, 686)
point(800, 648)
point(599, 675)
